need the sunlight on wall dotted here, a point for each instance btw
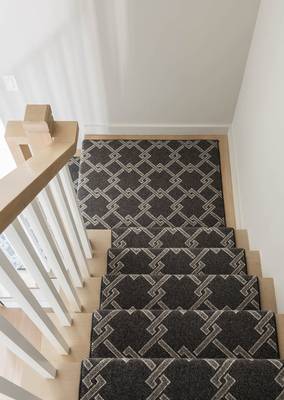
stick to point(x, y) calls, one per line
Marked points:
point(126, 66)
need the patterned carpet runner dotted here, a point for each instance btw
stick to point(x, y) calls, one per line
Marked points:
point(186, 292)
point(224, 261)
point(179, 317)
point(151, 183)
point(181, 379)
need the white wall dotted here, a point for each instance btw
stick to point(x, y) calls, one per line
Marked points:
point(257, 141)
point(7, 162)
point(128, 66)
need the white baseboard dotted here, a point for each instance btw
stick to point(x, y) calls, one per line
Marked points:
point(152, 129)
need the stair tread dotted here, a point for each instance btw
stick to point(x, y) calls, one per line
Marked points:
point(203, 292)
point(181, 379)
point(193, 334)
point(176, 260)
point(189, 237)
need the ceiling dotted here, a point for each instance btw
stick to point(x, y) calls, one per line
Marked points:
point(127, 65)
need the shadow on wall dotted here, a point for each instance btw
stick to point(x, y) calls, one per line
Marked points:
point(65, 70)
point(118, 64)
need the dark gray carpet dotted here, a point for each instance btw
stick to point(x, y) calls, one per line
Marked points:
point(225, 261)
point(185, 334)
point(179, 318)
point(188, 292)
point(172, 237)
point(181, 379)
point(151, 183)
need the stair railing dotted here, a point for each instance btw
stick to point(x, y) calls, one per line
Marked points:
point(40, 192)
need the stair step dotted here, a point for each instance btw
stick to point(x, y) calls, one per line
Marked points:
point(173, 237)
point(181, 379)
point(151, 182)
point(189, 292)
point(185, 334)
point(224, 261)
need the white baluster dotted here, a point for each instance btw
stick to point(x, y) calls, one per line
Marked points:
point(36, 219)
point(50, 210)
point(22, 245)
point(22, 348)
point(14, 391)
point(75, 210)
point(67, 219)
point(14, 284)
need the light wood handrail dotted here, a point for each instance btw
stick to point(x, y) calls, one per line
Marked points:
point(21, 186)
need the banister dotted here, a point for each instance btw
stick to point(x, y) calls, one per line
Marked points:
point(21, 186)
point(40, 218)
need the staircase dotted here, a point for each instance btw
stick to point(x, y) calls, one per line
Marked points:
point(180, 317)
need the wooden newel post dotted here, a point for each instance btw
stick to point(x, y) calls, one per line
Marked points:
point(38, 126)
point(28, 137)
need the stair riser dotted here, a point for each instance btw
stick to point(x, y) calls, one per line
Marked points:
point(175, 237)
point(189, 292)
point(188, 334)
point(182, 379)
point(176, 261)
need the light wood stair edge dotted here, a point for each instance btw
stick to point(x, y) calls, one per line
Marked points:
point(252, 256)
point(280, 333)
point(267, 294)
point(253, 262)
point(242, 239)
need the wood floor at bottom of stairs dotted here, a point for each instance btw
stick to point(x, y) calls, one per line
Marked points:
point(65, 386)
